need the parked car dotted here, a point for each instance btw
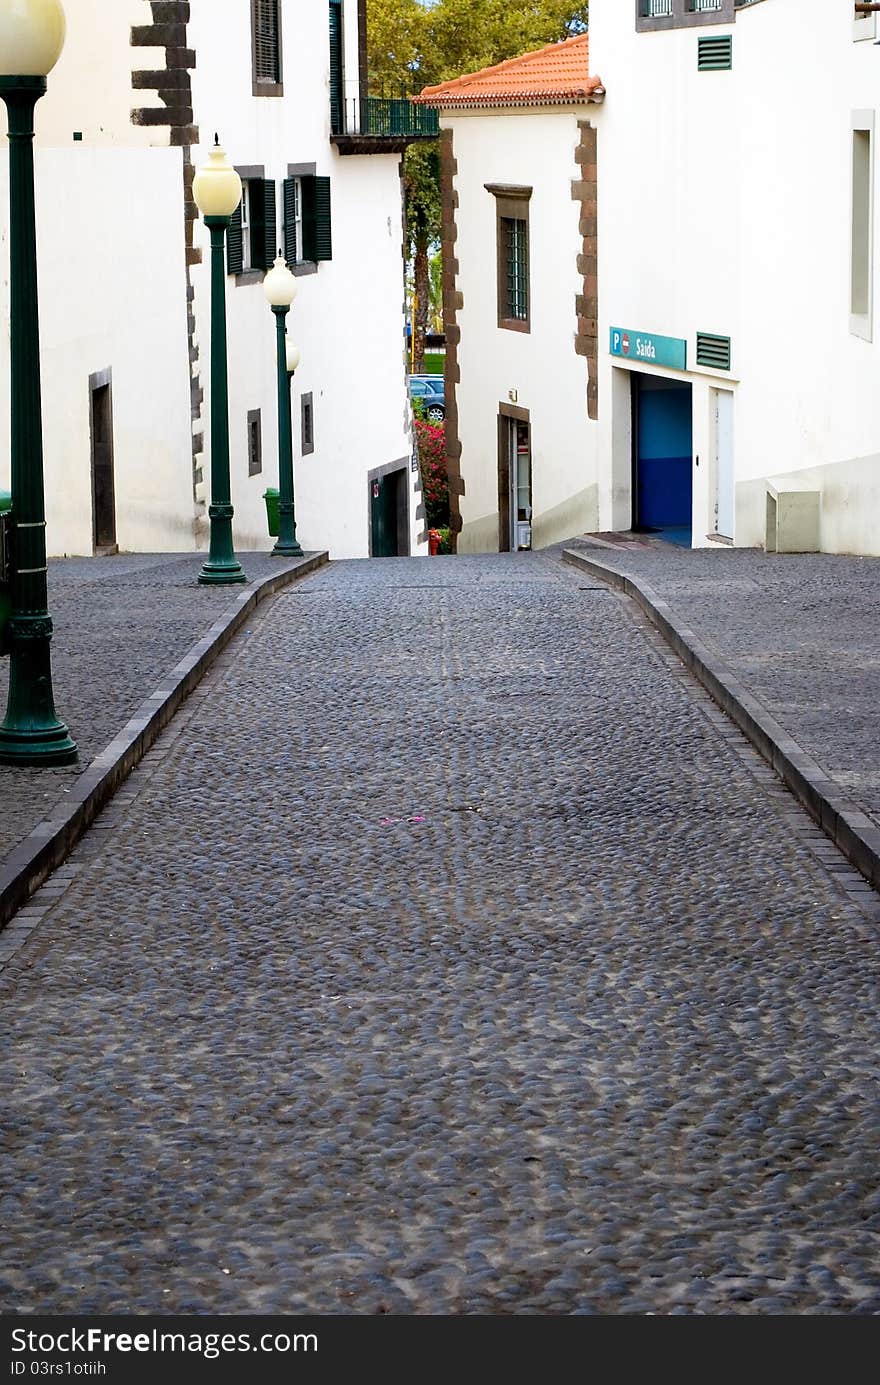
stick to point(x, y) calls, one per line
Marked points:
point(432, 391)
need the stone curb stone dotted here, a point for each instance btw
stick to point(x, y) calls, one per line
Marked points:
point(28, 864)
point(847, 826)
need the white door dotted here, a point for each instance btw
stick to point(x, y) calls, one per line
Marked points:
point(520, 486)
point(724, 463)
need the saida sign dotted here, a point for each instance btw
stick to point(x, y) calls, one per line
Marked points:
point(648, 348)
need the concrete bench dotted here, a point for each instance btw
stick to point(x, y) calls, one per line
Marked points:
point(792, 524)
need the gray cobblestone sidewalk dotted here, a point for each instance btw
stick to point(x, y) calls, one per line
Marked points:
point(800, 631)
point(449, 953)
point(121, 624)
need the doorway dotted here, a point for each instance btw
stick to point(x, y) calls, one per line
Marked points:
point(389, 514)
point(514, 482)
point(103, 483)
point(724, 488)
point(663, 457)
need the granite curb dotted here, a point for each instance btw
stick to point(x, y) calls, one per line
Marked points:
point(28, 864)
point(851, 830)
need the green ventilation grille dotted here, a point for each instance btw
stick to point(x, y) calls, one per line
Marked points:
point(712, 351)
point(715, 54)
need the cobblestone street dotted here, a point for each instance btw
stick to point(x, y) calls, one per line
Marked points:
point(449, 953)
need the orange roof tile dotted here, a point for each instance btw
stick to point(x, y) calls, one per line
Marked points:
point(556, 75)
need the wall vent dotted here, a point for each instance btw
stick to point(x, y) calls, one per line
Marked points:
point(712, 351)
point(715, 54)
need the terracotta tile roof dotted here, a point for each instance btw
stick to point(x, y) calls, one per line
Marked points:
point(556, 75)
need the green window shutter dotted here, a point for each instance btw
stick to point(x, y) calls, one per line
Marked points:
point(269, 241)
point(335, 67)
point(234, 244)
point(290, 246)
point(316, 233)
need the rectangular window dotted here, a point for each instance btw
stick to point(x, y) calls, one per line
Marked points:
point(266, 44)
point(685, 14)
point(255, 442)
point(308, 424)
point(512, 249)
point(862, 225)
point(293, 240)
point(515, 233)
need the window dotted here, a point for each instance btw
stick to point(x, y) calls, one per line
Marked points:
point(308, 424)
point(683, 14)
point(515, 231)
point(252, 239)
point(255, 442)
point(266, 36)
point(512, 245)
point(293, 220)
point(862, 221)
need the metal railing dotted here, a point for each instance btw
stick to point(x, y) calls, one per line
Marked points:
point(386, 117)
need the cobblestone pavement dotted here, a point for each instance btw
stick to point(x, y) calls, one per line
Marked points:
point(121, 624)
point(799, 630)
point(449, 953)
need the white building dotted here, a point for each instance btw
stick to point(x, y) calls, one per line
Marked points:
point(735, 364)
point(519, 297)
point(131, 111)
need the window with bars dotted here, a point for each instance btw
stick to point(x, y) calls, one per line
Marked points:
point(515, 239)
point(266, 32)
point(255, 442)
point(512, 245)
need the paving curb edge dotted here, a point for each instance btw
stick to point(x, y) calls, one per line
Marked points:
point(27, 866)
point(851, 830)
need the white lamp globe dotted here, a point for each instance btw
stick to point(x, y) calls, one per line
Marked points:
point(216, 186)
point(279, 285)
point(31, 37)
point(294, 356)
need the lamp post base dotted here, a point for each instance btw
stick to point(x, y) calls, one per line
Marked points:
point(32, 732)
point(43, 747)
point(221, 567)
point(221, 574)
point(287, 550)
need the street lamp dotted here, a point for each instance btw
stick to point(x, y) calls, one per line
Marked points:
point(31, 39)
point(280, 289)
point(217, 193)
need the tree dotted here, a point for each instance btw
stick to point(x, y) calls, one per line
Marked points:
point(412, 45)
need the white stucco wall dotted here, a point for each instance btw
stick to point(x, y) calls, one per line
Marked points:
point(126, 307)
point(724, 207)
point(112, 296)
point(90, 89)
point(539, 370)
point(347, 317)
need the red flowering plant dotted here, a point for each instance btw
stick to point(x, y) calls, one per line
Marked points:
point(431, 445)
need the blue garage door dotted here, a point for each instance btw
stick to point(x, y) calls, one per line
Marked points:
point(664, 483)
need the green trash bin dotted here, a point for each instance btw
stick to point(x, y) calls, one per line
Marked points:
point(272, 498)
point(5, 596)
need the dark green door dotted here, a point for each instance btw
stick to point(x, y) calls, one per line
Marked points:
point(384, 493)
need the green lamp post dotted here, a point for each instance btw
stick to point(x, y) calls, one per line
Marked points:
point(217, 193)
point(31, 39)
point(279, 287)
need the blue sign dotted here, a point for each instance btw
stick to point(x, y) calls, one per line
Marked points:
point(649, 349)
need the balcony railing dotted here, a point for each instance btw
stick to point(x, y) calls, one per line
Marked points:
point(382, 117)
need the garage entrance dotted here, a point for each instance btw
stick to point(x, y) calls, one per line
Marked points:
point(663, 457)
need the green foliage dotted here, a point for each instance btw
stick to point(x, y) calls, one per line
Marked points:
point(412, 45)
